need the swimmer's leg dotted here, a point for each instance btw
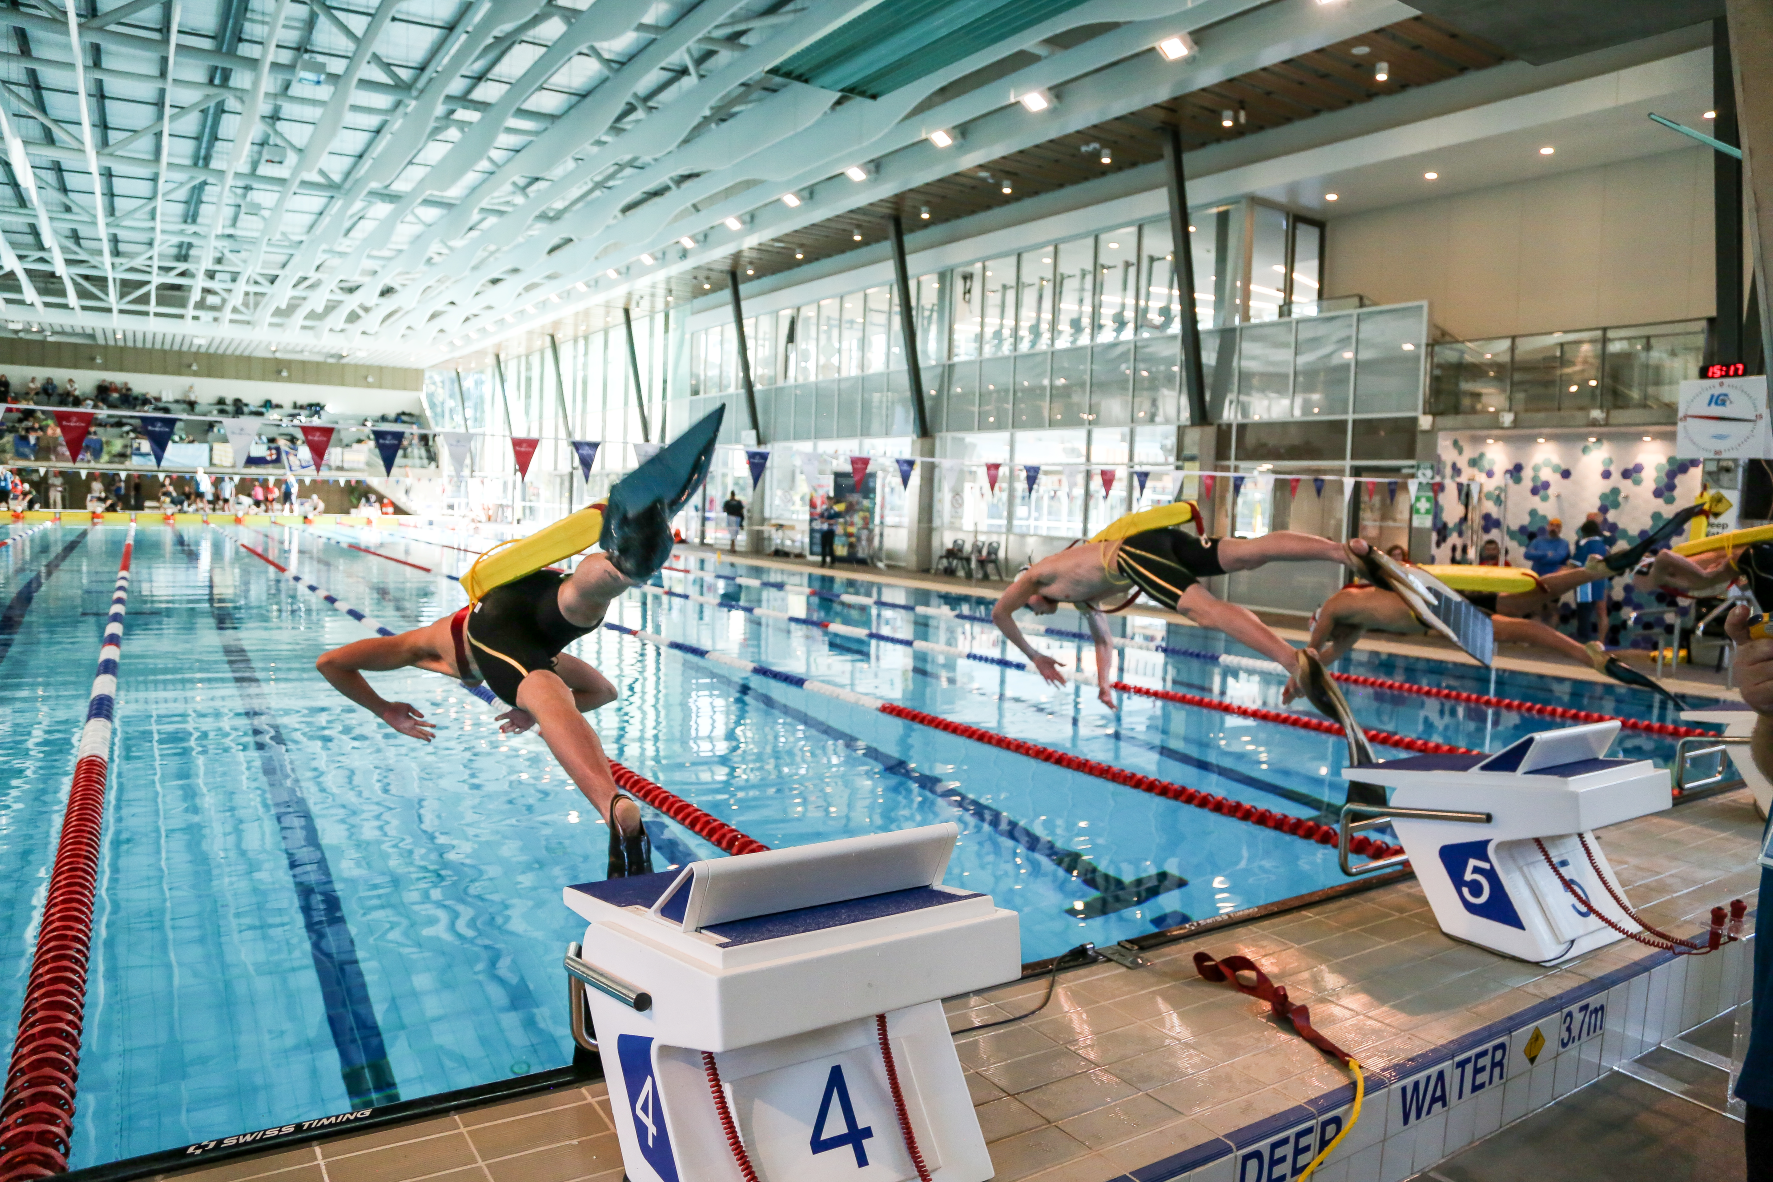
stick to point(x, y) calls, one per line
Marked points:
point(1669, 569)
point(1239, 623)
point(1592, 654)
point(546, 697)
point(1283, 545)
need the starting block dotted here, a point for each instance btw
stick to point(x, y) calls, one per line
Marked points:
point(779, 1014)
point(1473, 827)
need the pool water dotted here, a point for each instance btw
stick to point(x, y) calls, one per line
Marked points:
point(301, 912)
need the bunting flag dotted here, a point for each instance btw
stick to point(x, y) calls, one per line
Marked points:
point(388, 442)
point(457, 444)
point(75, 424)
point(586, 450)
point(1410, 489)
point(1237, 486)
point(645, 451)
point(1139, 478)
point(950, 472)
point(318, 440)
point(809, 466)
point(1107, 481)
point(1206, 485)
point(158, 429)
point(1317, 482)
point(755, 459)
point(906, 467)
point(991, 471)
point(1293, 486)
point(523, 450)
point(242, 433)
point(1071, 472)
point(1391, 490)
point(858, 470)
point(1031, 473)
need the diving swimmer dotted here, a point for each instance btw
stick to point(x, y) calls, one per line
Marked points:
point(523, 613)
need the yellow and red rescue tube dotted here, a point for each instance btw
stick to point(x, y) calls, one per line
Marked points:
point(1725, 541)
point(1503, 580)
point(1169, 516)
point(509, 561)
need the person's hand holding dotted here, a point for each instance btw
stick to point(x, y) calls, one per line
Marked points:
point(1048, 669)
point(405, 718)
point(1754, 662)
point(515, 722)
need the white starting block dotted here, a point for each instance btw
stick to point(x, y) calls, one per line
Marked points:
point(1738, 720)
point(737, 1007)
point(1468, 824)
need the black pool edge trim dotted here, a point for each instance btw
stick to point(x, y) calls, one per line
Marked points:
point(169, 1161)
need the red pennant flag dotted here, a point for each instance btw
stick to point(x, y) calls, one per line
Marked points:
point(858, 470)
point(1107, 481)
point(524, 450)
point(318, 440)
point(1293, 486)
point(1206, 485)
point(991, 471)
point(74, 425)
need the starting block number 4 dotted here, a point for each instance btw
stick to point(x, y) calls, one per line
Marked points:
point(830, 1119)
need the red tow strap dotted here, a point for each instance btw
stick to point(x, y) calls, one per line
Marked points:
point(1298, 1017)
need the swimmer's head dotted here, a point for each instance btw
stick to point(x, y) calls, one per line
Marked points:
point(1040, 605)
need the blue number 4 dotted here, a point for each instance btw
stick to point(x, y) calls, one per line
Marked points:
point(851, 1135)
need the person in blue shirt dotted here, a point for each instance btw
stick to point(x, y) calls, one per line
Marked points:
point(1589, 596)
point(1548, 552)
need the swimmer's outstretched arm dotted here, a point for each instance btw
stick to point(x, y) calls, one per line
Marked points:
point(1104, 655)
point(343, 670)
point(1003, 614)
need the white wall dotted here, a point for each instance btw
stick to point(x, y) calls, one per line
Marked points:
point(343, 400)
point(1625, 243)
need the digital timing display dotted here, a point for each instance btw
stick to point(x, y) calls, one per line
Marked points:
point(1734, 369)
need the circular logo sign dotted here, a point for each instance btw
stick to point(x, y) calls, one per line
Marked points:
point(1718, 418)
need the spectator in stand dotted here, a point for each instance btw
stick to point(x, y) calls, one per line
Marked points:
point(119, 493)
point(258, 495)
point(5, 386)
point(95, 493)
point(135, 493)
point(289, 492)
point(72, 390)
point(55, 488)
point(1490, 553)
point(1548, 552)
point(33, 389)
point(1590, 596)
point(735, 518)
point(49, 389)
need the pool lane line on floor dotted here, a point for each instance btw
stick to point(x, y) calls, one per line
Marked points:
point(37, 1106)
point(12, 617)
point(703, 824)
point(1286, 823)
point(1248, 664)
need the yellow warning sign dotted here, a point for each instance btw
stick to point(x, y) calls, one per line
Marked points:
point(1535, 1044)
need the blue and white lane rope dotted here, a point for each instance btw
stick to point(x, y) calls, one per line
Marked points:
point(35, 529)
point(101, 707)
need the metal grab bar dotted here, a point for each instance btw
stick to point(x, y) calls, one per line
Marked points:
point(579, 974)
point(1685, 754)
point(1379, 814)
point(1674, 613)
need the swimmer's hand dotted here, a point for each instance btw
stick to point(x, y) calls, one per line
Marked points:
point(1049, 669)
point(405, 718)
point(515, 722)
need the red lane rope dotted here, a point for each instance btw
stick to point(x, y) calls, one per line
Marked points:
point(1665, 729)
point(37, 1107)
point(1304, 723)
point(1722, 931)
point(1300, 827)
point(703, 825)
point(391, 558)
point(892, 1071)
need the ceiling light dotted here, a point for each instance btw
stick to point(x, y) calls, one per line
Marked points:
point(1107, 156)
point(1381, 71)
point(1646, 439)
point(1408, 347)
point(1360, 51)
point(1591, 439)
point(943, 139)
point(688, 242)
point(707, 287)
point(799, 254)
point(1709, 115)
point(612, 273)
point(1006, 189)
point(1035, 101)
point(1489, 441)
point(791, 200)
point(856, 237)
point(750, 271)
point(1431, 176)
point(1332, 196)
point(581, 286)
point(1547, 150)
point(924, 213)
point(856, 173)
point(1541, 439)
point(647, 259)
point(1176, 48)
point(1594, 381)
point(1227, 117)
point(734, 224)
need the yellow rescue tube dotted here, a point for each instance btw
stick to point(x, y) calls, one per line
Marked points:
point(1162, 517)
point(1504, 580)
point(509, 561)
point(1726, 541)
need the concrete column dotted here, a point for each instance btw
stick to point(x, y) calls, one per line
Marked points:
point(920, 507)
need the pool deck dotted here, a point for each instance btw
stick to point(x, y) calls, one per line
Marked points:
point(1154, 1075)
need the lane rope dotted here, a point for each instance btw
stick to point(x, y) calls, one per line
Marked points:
point(704, 825)
point(21, 536)
point(37, 1107)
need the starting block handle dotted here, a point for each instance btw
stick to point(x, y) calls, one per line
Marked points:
point(1685, 754)
point(583, 973)
point(1379, 814)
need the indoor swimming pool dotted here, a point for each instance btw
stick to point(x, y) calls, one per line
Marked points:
point(301, 912)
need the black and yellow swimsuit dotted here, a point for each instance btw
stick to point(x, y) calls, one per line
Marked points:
point(1165, 563)
point(517, 628)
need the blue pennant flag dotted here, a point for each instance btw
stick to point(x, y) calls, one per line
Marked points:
point(1391, 489)
point(755, 459)
point(586, 450)
point(1237, 486)
point(1141, 477)
point(388, 443)
point(905, 467)
point(1317, 482)
point(158, 429)
point(1033, 473)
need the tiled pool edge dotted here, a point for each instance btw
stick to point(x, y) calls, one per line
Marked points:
point(1421, 1110)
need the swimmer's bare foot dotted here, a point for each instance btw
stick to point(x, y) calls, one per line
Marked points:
point(630, 849)
point(1291, 690)
point(1354, 555)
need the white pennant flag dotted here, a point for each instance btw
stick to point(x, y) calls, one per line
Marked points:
point(645, 451)
point(241, 434)
point(809, 465)
point(457, 443)
point(950, 471)
point(1069, 473)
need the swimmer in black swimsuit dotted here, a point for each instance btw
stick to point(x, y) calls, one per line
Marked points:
point(512, 640)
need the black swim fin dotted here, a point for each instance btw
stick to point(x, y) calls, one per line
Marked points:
point(1625, 675)
point(1321, 690)
point(629, 853)
point(637, 519)
point(1623, 560)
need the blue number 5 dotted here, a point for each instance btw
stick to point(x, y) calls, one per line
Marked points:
point(851, 1135)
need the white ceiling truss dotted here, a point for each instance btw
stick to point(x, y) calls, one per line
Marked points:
point(402, 180)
